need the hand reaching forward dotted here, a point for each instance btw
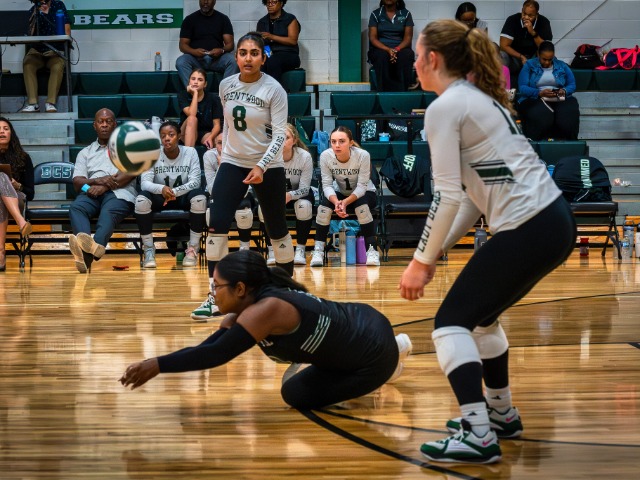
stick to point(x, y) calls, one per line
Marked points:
point(137, 374)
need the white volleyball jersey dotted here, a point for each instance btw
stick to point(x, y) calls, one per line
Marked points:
point(211, 163)
point(351, 177)
point(482, 164)
point(299, 171)
point(255, 115)
point(182, 174)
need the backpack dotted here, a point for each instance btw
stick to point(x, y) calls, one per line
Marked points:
point(582, 179)
point(621, 58)
point(408, 176)
point(587, 56)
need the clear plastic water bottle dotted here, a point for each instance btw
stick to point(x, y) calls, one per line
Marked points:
point(60, 22)
point(628, 233)
point(342, 239)
point(584, 246)
point(267, 51)
point(625, 249)
point(157, 63)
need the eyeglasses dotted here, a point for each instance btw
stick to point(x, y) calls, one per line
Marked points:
point(215, 287)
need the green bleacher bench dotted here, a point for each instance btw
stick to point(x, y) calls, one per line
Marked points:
point(294, 81)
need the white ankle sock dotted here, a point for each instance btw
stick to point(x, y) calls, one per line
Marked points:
point(147, 240)
point(499, 399)
point(477, 416)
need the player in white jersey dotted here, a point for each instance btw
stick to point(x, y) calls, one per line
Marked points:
point(172, 183)
point(298, 168)
point(255, 114)
point(482, 164)
point(347, 168)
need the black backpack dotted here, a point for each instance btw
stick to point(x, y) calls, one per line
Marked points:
point(408, 176)
point(582, 179)
point(587, 57)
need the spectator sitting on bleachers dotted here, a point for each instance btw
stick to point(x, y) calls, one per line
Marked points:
point(346, 167)
point(546, 105)
point(14, 189)
point(467, 14)
point(206, 41)
point(390, 53)
point(521, 35)
point(42, 22)
point(200, 112)
point(298, 168)
point(280, 32)
point(172, 183)
point(103, 191)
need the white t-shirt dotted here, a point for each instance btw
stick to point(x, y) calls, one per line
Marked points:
point(255, 115)
point(482, 164)
point(299, 171)
point(182, 173)
point(351, 177)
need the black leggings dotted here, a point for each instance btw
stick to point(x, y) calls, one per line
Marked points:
point(367, 230)
point(561, 122)
point(507, 267)
point(228, 191)
point(316, 387)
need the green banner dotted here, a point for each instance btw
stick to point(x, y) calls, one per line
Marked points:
point(126, 18)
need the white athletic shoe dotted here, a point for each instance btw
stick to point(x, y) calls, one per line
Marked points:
point(300, 258)
point(207, 310)
point(373, 257)
point(317, 258)
point(50, 108)
point(464, 447)
point(30, 108)
point(190, 257)
point(271, 259)
point(404, 350)
point(244, 246)
point(507, 424)
point(149, 260)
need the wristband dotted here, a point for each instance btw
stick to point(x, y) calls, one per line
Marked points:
point(85, 188)
point(397, 49)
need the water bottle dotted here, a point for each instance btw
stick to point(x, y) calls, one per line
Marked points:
point(584, 246)
point(361, 251)
point(157, 63)
point(637, 241)
point(625, 249)
point(351, 248)
point(267, 51)
point(60, 22)
point(342, 239)
point(480, 237)
point(627, 232)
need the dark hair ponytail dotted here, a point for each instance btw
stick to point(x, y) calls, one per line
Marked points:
point(251, 269)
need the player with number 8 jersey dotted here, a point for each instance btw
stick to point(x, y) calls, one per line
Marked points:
point(255, 111)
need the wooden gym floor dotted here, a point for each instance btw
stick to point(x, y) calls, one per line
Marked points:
point(65, 339)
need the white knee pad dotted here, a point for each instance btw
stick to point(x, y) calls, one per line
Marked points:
point(143, 205)
point(491, 341)
point(454, 347)
point(324, 215)
point(260, 217)
point(244, 218)
point(283, 249)
point(199, 204)
point(363, 212)
point(303, 209)
point(217, 247)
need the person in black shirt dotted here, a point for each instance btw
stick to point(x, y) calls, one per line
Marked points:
point(521, 36)
point(350, 347)
point(42, 22)
point(200, 112)
point(390, 36)
point(206, 41)
point(280, 32)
